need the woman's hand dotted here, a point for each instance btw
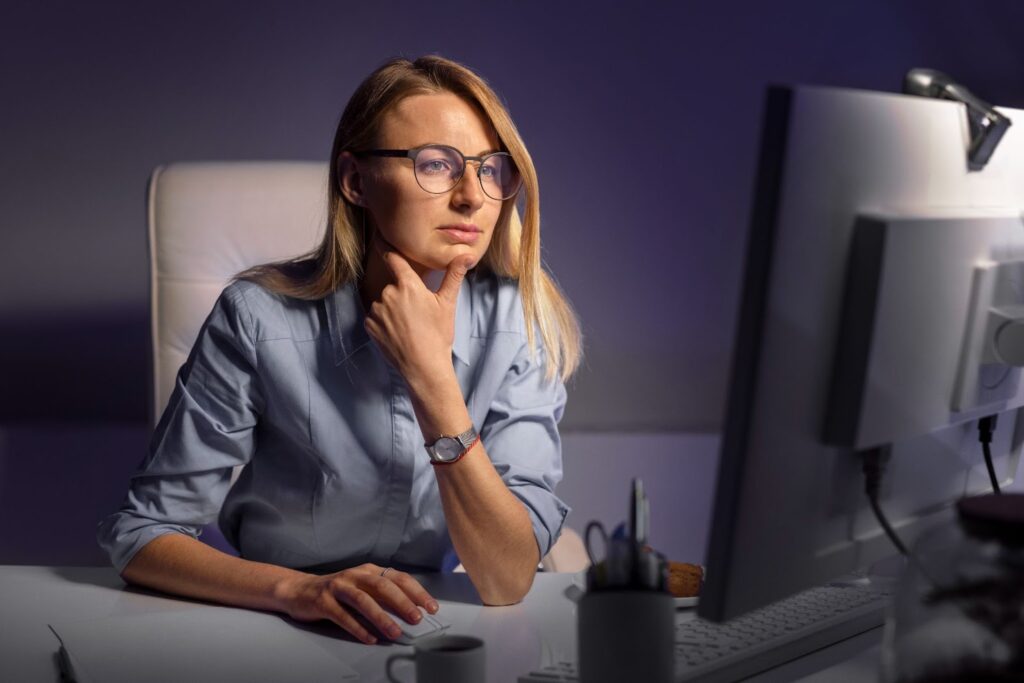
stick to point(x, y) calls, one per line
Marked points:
point(413, 326)
point(360, 590)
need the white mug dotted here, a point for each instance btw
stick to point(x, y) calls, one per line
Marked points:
point(445, 659)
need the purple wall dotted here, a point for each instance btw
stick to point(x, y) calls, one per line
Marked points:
point(642, 119)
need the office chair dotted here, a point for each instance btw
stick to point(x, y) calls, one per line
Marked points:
point(208, 221)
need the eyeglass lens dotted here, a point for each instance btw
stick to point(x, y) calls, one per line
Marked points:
point(439, 169)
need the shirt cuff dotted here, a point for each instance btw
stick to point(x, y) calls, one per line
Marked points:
point(123, 535)
point(547, 514)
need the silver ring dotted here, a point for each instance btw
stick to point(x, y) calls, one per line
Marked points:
point(386, 570)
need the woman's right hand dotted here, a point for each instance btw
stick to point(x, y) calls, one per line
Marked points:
point(359, 590)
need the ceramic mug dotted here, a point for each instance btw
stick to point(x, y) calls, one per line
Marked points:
point(626, 635)
point(445, 659)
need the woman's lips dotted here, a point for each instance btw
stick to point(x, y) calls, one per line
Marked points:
point(461, 235)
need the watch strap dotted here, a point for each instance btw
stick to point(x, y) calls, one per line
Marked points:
point(467, 437)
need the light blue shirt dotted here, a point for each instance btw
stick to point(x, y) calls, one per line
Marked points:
point(335, 469)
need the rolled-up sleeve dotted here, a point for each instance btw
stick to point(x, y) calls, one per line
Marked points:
point(521, 436)
point(205, 431)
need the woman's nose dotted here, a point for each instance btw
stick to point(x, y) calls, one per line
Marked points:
point(468, 191)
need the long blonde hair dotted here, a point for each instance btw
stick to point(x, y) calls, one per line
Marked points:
point(514, 251)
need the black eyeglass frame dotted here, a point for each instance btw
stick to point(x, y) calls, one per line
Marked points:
point(481, 160)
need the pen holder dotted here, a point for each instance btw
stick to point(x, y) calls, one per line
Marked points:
point(626, 635)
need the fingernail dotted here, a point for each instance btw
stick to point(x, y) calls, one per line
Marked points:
point(414, 615)
point(370, 640)
point(432, 606)
point(394, 631)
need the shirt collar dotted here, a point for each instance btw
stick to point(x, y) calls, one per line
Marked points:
point(346, 321)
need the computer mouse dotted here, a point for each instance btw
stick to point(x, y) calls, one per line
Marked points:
point(430, 624)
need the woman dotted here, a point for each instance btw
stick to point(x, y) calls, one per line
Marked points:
point(423, 319)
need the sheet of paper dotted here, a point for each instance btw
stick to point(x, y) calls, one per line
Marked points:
point(221, 645)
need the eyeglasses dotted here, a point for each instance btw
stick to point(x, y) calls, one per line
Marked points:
point(439, 168)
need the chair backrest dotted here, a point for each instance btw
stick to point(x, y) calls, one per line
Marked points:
point(207, 222)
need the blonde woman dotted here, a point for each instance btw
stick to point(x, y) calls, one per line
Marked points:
point(394, 395)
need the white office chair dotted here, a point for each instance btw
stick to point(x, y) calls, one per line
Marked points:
point(209, 221)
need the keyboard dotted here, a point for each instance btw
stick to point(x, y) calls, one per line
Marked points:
point(707, 652)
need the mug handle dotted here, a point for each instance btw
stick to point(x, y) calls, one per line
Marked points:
point(391, 660)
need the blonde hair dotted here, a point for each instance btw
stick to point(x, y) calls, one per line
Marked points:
point(514, 251)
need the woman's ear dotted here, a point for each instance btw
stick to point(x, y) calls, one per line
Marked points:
point(350, 180)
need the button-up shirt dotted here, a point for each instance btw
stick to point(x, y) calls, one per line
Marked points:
point(335, 471)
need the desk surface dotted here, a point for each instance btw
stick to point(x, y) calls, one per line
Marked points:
point(539, 631)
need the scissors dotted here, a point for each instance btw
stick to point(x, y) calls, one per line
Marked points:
point(597, 574)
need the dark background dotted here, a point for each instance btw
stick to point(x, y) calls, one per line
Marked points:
point(642, 118)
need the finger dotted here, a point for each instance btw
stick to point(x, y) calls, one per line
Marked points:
point(412, 588)
point(384, 248)
point(372, 329)
point(400, 268)
point(374, 312)
point(379, 331)
point(340, 616)
point(363, 602)
point(457, 269)
point(389, 593)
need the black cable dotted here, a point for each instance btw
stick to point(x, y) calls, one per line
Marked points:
point(986, 427)
point(875, 460)
point(991, 470)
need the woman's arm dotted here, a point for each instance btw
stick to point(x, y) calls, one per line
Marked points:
point(489, 527)
point(206, 429)
point(181, 565)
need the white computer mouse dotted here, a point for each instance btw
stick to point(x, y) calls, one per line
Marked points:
point(430, 624)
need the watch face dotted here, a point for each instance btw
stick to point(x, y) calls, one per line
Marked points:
point(447, 448)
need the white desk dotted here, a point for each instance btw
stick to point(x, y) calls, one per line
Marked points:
point(538, 631)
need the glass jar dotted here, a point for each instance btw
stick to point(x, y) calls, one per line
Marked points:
point(958, 613)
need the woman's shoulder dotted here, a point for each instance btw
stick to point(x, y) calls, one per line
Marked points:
point(249, 292)
point(271, 315)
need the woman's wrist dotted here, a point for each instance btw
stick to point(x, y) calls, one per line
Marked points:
point(439, 404)
point(428, 380)
point(430, 383)
point(285, 590)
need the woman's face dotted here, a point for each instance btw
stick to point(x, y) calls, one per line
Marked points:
point(431, 230)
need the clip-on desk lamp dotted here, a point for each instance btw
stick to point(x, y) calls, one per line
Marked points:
point(986, 124)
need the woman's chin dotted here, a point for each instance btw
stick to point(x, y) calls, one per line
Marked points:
point(442, 261)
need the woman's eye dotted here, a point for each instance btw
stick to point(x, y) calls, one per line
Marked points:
point(436, 166)
point(489, 172)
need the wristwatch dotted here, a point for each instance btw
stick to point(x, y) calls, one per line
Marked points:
point(449, 449)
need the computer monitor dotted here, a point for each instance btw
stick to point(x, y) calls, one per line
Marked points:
point(874, 257)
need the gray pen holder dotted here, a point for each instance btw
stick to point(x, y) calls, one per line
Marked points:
point(626, 635)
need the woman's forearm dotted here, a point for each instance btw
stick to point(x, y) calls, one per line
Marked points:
point(179, 564)
point(489, 527)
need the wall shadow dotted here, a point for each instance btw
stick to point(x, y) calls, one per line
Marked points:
point(77, 366)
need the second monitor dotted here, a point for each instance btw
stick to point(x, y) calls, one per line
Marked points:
point(860, 300)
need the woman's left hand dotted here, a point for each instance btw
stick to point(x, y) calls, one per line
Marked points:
point(414, 326)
